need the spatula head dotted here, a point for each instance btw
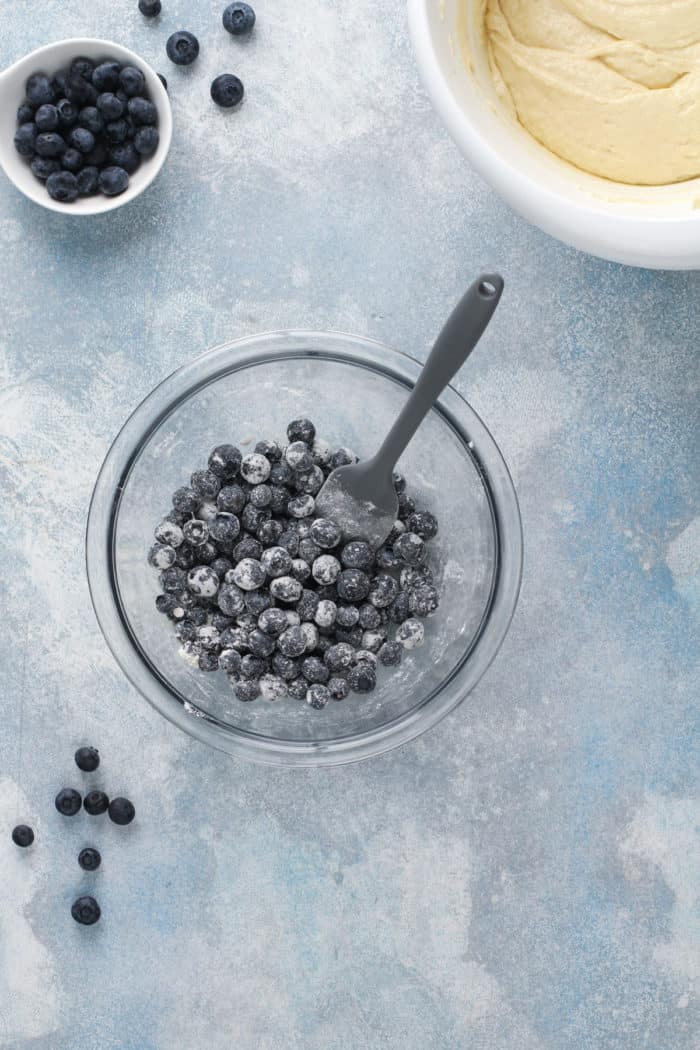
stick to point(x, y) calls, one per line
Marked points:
point(363, 505)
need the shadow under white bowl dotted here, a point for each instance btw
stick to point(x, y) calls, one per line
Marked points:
point(50, 59)
point(652, 226)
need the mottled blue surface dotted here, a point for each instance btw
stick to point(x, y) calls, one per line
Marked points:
point(526, 875)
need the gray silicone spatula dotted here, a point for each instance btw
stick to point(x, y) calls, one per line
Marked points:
point(361, 497)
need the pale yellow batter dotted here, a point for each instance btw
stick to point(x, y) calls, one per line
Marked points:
point(613, 86)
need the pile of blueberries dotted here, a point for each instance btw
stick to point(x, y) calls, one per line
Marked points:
point(86, 129)
point(261, 588)
point(85, 910)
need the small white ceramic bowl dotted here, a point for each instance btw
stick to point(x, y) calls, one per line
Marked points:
point(49, 60)
point(652, 226)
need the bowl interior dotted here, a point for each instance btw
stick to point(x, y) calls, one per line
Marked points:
point(352, 403)
point(49, 60)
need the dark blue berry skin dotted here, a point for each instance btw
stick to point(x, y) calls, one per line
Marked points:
point(110, 106)
point(62, 186)
point(89, 859)
point(91, 118)
point(25, 113)
point(113, 181)
point(132, 81)
point(22, 836)
point(68, 802)
point(87, 759)
point(50, 144)
point(42, 167)
point(146, 141)
point(182, 48)
point(46, 117)
point(38, 89)
point(301, 430)
point(98, 156)
point(95, 803)
point(88, 181)
point(121, 811)
point(227, 90)
point(225, 461)
point(142, 111)
point(105, 77)
point(83, 67)
point(150, 8)
point(80, 91)
point(116, 131)
point(72, 161)
point(58, 83)
point(81, 139)
point(67, 113)
point(86, 911)
point(25, 139)
point(185, 500)
point(238, 18)
point(125, 156)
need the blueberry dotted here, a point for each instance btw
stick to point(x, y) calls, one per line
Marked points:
point(387, 559)
point(269, 532)
point(406, 506)
point(163, 81)
point(369, 617)
point(311, 635)
point(260, 495)
point(298, 456)
point(423, 523)
point(185, 556)
point(202, 581)
point(269, 449)
point(227, 90)
point(46, 117)
point(142, 111)
point(150, 8)
point(353, 585)
point(257, 602)
point(253, 517)
point(339, 657)
point(399, 483)
point(414, 576)
point(253, 666)
point(289, 539)
point(221, 566)
point(247, 690)
point(72, 160)
point(399, 610)
point(281, 473)
point(125, 156)
point(182, 48)
point(68, 802)
point(58, 83)
point(98, 156)
point(25, 139)
point(238, 18)
point(248, 547)
point(292, 642)
point(230, 599)
point(410, 548)
point(286, 589)
point(186, 631)
point(347, 615)
point(260, 643)
point(230, 661)
point(231, 498)
point(272, 687)
point(166, 603)
point(80, 91)
point(234, 638)
point(89, 859)
point(300, 569)
point(121, 811)
point(298, 688)
point(82, 66)
point(362, 678)
point(22, 835)
point(86, 911)
point(169, 533)
point(113, 181)
point(95, 803)
point(25, 113)
point(383, 592)
point(276, 561)
point(116, 131)
point(285, 667)
point(372, 641)
point(249, 574)
point(272, 622)
point(338, 688)
point(91, 119)
point(160, 556)
point(87, 759)
point(195, 532)
point(62, 186)
point(308, 604)
point(317, 696)
point(423, 600)
point(410, 634)
point(325, 569)
point(38, 89)
point(310, 481)
point(81, 139)
point(110, 106)
point(326, 534)
point(208, 661)
point(255, 468)
point(357, 555)
point(301, 506)
point(42, 167)
point(132, 81)
point(225, 461)
point(105, 77)
point(396, 529)
point(301, 430)
point(67, 113)
point(146, 141)
point(351, 635)
point(390, 654)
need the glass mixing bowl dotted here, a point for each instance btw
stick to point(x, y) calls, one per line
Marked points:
point(352, 388)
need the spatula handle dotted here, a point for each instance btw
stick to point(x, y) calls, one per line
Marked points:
point(461, 333)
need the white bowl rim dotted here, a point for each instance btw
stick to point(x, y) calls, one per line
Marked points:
point(98, 204)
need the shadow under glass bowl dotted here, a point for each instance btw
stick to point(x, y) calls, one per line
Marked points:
point(352, 388)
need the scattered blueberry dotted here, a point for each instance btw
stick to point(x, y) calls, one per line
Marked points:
point(87, 759)
point(163, 81)
point(238, 18)
point(182, 48)
point(150, 8)
point(89, 859)
point(68, 802)
point(121, 811)
point(95, 803)
point(86, 911)
point(227, 90)
point(22, 835)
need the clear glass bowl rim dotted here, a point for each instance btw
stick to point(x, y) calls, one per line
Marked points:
point(243, 353)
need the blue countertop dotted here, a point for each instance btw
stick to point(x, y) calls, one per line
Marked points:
point(526, 875)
